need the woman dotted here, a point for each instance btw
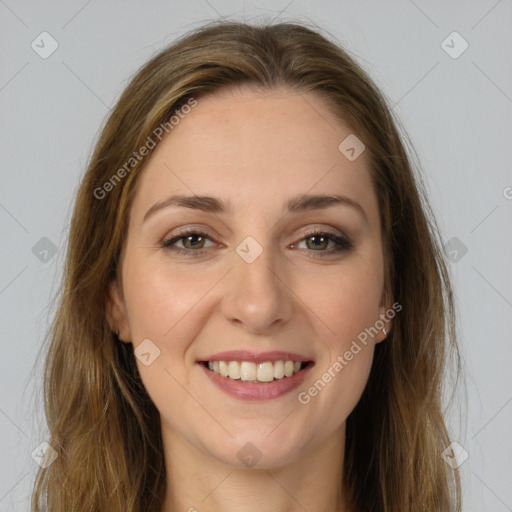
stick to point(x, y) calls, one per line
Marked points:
point(256, 312)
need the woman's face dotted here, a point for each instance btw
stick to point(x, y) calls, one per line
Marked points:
point(269, 269)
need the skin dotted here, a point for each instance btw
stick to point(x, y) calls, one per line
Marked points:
point(256, 150)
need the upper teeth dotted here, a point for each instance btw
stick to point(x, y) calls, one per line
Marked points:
point(247, 370)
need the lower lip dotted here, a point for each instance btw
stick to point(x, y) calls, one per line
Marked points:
point(245, 390)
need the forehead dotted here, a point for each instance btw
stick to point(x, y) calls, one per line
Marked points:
point(255, 147)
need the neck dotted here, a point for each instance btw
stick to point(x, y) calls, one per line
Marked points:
point(197, 482)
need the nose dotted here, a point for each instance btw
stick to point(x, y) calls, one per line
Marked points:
point(257, 295)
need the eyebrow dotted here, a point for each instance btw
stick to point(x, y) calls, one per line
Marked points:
point(302, 203)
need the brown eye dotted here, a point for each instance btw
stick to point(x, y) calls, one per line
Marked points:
point(193, 241)
point(317, 242)
point(324, 244)
point(188, 242)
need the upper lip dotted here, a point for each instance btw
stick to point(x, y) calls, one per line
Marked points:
point(256, 357)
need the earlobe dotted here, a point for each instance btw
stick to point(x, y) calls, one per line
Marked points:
point(383, 324)
point(116, 313)
point(386, 315)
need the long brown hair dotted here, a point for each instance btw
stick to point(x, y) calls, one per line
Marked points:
point(102, 423)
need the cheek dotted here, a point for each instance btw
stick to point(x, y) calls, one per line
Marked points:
point(170, 308)
point(163, 306)
point(161, 300)
point(346, 301)
point(347, 306)
point(337, 389)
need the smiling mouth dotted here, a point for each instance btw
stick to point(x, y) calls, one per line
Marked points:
point(249, 371)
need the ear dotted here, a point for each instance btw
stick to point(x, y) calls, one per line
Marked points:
point(116, 313)
point(387, 311)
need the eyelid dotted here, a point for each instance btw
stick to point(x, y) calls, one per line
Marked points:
point(321, 229)
point(187, 230)
point(184, 232)
point(343, 242)
point(190, 228)
point(326, 230)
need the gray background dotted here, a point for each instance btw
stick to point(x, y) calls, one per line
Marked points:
point(457, 111)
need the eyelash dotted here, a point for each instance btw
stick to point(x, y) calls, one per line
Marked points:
point(344, 244)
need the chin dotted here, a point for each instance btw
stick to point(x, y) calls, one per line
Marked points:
point(257, 452)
